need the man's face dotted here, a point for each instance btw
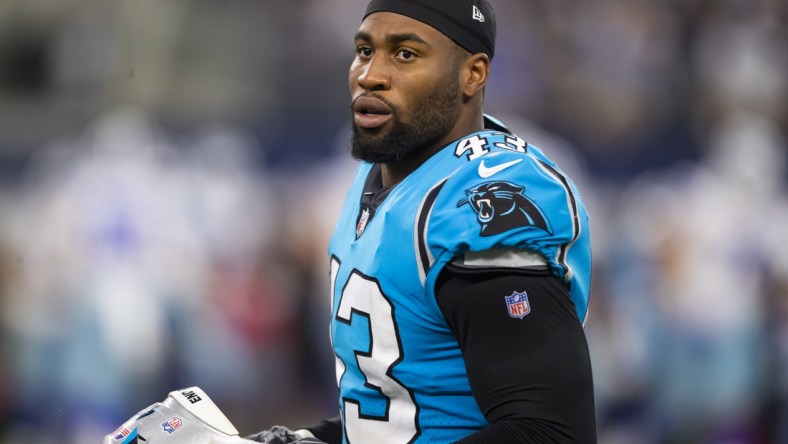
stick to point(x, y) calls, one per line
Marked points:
point(404, 85)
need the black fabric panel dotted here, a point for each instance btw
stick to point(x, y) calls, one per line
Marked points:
point(531, 377)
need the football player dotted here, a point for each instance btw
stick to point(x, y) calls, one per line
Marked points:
point(460, 265)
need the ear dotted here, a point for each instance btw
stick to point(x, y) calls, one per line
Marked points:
point(474, 73)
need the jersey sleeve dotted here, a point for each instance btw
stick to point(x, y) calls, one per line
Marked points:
point(529, 370)
point(509, 199)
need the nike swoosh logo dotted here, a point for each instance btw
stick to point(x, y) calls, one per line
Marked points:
point(485, 171)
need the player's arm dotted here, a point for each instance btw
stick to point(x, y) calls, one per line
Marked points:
point(531, 376)
point(328, 431)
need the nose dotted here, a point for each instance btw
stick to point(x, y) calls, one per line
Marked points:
point(373, 75)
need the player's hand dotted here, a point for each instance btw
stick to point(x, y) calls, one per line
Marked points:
point(187, 416)
point(283, 435)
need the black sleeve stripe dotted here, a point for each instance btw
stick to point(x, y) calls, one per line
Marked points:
point(425, 258)
point(573, 210)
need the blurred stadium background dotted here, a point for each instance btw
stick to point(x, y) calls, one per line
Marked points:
point(170, 172)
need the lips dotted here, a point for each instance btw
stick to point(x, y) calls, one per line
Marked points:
point(371, 112)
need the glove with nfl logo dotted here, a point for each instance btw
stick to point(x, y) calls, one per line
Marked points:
point(187, 416)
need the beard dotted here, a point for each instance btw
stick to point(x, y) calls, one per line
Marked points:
point(433, 117)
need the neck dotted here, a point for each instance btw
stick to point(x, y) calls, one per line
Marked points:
point(393, 173)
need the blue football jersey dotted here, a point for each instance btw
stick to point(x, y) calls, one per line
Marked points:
point(400, 371)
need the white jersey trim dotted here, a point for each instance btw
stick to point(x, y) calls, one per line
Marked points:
point(501, 257)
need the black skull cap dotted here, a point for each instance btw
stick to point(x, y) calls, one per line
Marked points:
point(470, 23)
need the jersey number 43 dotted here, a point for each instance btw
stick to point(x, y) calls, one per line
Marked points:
point(362, 301)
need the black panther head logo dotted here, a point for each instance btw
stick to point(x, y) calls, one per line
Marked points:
point(502, 206)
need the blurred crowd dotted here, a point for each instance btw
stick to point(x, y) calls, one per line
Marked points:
point(170, 173)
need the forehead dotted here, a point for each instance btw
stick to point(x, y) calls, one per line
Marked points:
point(381, 25)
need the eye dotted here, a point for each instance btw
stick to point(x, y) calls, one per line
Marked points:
point(364, 51)
point(406, 55)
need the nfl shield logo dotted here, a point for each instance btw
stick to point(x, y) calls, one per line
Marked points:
point(172, 424)
point(363, 218)
point(518, 305)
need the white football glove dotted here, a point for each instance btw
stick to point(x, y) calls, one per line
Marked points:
point(187, 416)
